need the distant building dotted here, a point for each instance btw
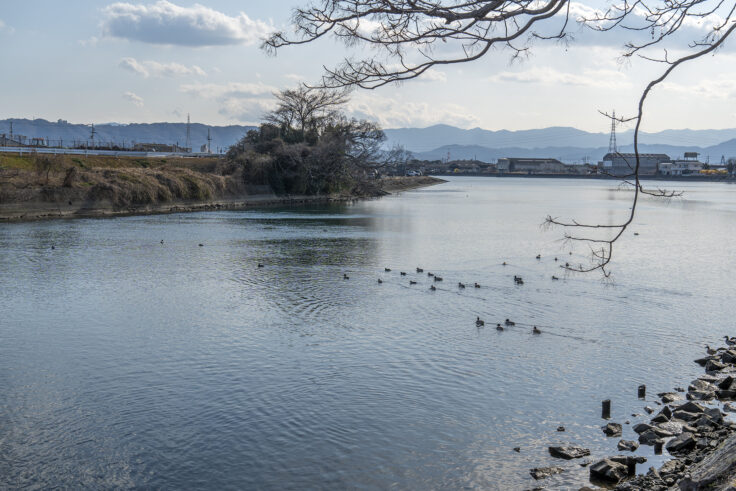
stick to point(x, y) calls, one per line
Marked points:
point(623, 164)
point(158, 147)
point(531, 165)
point(682, 167)
point(5, 141)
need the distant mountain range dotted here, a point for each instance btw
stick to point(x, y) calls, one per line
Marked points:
point(431, 143)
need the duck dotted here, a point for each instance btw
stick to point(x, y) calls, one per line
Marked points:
point(380, 281)
point(567, 265)
point(479, 322)
point(201, 245)
point(162, 241)
point(260, 265)
point(403, 273)
point(510, 322)
point(539, 256)
point(504, 263)
point(499, 327)
point(555, 277)
point(420, 270)
point(710, 350)
point(430, 274)
point(535, 330)
point(476, 285)
point(437, 278)
point(555, 259)
point(460, 285)
point(388, 270)
point(52, 248)
point(433, 288)
point(345, 277)
point(412, 282)
point(730, 341)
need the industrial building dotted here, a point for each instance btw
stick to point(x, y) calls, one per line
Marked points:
point(623, 164)
point(531, 165)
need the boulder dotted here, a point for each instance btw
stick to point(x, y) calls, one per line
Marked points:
point(691, 407)
point(649, 437)
point(629, 445)
point(663, 416)
point(729, 408)
point(685, 441)
point(699, 395)
point(701, 385)
point(608, 470)
point(544, 472)
point(642, 427)
point(648, 409)
point(568, 453)
point(714, 366)
point(612, 429)
point(728, 356)
point(671, 427)
point(726, 383)
point(704, 361)
point(668, 397)
point(726, 395)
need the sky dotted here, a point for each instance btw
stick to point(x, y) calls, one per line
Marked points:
point(97, 61)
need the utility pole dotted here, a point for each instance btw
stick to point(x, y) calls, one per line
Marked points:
point(209, 141)
point(92, 135)
point(188, 143)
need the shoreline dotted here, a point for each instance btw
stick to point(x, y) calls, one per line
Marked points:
point(62, 208)
point(592, 176)
point(688, 423)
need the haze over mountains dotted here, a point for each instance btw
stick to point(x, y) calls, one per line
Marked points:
point(431, 143)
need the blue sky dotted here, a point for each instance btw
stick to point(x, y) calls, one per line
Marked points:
point(95, 61)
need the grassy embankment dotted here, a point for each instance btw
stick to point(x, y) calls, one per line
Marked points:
point(39, 186)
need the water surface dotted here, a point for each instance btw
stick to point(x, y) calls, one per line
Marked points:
point(126, 363)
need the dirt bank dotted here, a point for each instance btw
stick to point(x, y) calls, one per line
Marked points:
point(43, 187)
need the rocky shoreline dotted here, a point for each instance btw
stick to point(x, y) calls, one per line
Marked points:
point(692, 429)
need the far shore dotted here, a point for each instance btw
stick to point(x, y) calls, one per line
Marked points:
point(590, 176)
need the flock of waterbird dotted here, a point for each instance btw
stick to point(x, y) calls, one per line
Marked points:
point(478, 321)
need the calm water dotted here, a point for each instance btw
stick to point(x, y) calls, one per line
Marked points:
point(128, 363)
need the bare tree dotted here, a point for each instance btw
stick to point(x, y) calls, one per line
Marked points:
point(409, 37)
point(306, 109)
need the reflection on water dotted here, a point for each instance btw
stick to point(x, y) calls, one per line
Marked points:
point(125, 362)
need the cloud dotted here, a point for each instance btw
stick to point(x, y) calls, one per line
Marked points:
point(394, 113)
point(229, 90)
point(708, 88)
point(166, 23)
point(156, 69)
point(131, 97)
point(5, 27)
point(549, 76)
point(248, 110)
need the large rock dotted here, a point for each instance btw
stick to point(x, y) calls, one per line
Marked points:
point(713, 468)
point(728, 356)
point(701, 385)
point(726, 395)
point(714, 366)
point(663, 416)
point(608, 470)
point(649, 437)
point(704, 361)
point(568, 453)
point(612, 429)
point(629, 445)
point(545, 472)
point(691, 407)
point(685, 441)
point(671, 427)
point(726, 383)
point(642, 427)
point(668, 397)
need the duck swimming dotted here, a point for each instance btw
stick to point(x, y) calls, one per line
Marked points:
point(479, 322)
point(433, 288)
point(460, 285)
point(499, 327)
point(535, 330)
point(510, 323)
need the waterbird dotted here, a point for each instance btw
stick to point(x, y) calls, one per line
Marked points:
point(710, 350)
point(201, 245)
point(430, 274)
point(420, 270)
point(555, 277)
point(380, 280)
point(504, 263)
point(433, 288)
point(403, 273)
point(636, 233)
point(412, 282)
point(477, 285)
point(460, 285)
point(52, 247)
point(539, 256)
point(499, 327)
point(260, 265)
point(555, 259)
point(479, 322)
point(730, 341)
point(510, 322)
point(162, 241)
point(387, 269)
point(345, 277)
point(437, 278)
point(536, 330)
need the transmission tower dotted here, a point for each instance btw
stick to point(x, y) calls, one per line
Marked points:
point(612, 141)
point(209, 141)
point(188, 143)
point(92, 135)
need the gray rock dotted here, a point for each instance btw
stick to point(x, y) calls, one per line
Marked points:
point(726, 395)
point(568, 453)
point(728, 356)
point(642, 427)
point(648, 409)
point(699, 395)
point(608, 470)
point(612, 429)
point(714, 366)
point(545, 472)
point(701, 386)
point(668, 397)
point(691, 407)
point(671, 427)
point(704, 361)
point(649, 437)
point(663, 416)
point(685, 441)
point(629, 445)
point(726, 383)
point(729, 408)
point(714, 467)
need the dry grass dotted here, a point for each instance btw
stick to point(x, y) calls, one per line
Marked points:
point(122, 181)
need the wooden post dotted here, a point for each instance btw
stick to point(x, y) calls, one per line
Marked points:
point(606, 413)
point(642, 392)
point(658, 448)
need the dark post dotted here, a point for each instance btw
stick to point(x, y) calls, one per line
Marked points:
point(658, 448)
point(642, 392)
point(606, 409)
